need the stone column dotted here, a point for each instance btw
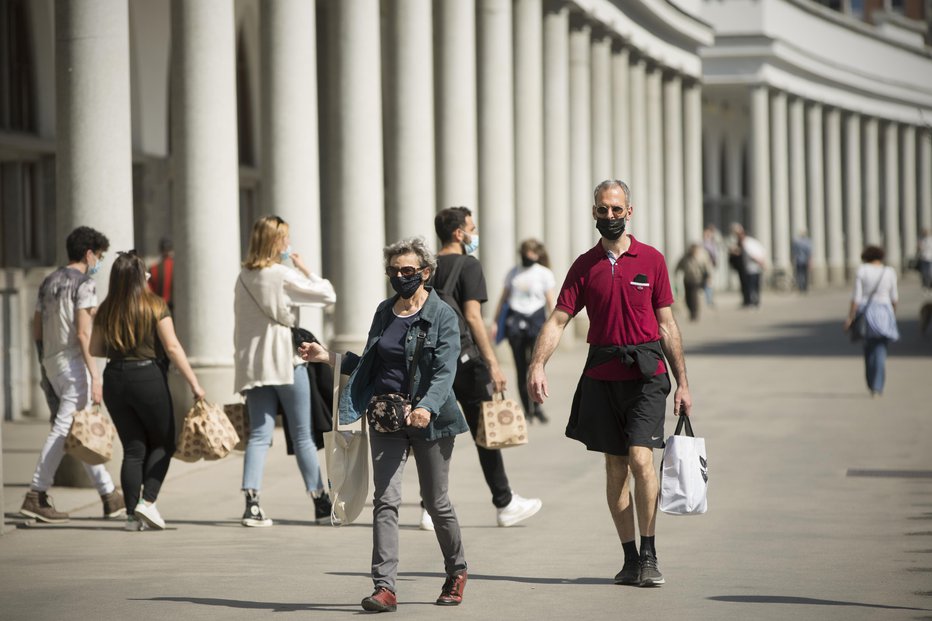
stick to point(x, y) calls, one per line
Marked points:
point(816, 196)
point(621, 115)
point(582, 230)
point(692, 151)
point(205, 191)
point(853, 236)
point(908, 164)
point(455, 97)
point(410, 192)
point(925, 179)
point(358, 175)
point(781, 185)
point(601, 106)
point(94, 177)
point(798, 221)
point(651, 203)
point(760, 162)
point(872, 231)
point(712, 148)
point(529, 118)
point(560, 209)
point(734, 167)
point(673, 205)
point(290, 164)
point(640, 222)
point(496, 141)
point(891, 195)
point(834, 230)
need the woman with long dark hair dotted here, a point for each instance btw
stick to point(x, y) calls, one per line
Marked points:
point(134, 330)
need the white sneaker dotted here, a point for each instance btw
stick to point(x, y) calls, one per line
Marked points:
point(426, 522)
point(518, 509)
point(149, 515)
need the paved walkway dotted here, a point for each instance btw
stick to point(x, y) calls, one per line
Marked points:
point(792, 532)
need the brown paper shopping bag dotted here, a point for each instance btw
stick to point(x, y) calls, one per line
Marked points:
point(91, 436)
point(501, 424)
point(207, 433)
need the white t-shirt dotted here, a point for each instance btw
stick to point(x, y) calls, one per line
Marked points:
point(528, 288)
point(753, 253)
point(61, 295)
point(870, 276)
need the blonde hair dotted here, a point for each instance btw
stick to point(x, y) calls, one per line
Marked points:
point(131, 310)
point(266, 235)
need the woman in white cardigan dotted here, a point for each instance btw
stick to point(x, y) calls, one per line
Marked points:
point(268, 371)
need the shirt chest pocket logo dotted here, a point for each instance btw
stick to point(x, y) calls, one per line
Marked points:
point(639, 282)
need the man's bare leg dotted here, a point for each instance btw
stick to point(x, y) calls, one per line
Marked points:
point(621, 506)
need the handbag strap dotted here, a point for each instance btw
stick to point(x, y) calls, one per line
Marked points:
point(261, 308)
point(421, 337)
point(876, 287)
point(334, 411)
point(684, 422)
point(453, 276)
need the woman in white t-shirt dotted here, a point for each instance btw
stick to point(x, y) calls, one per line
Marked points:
point(267, 370)
point(522, 311)
point(875, 297)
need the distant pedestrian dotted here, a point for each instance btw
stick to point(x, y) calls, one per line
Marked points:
point(696, 269)
point(267, 369)
point(620, 403)
point(801, 250)
point(62, 326)
point(875, 295)
point(525, 302)
point(925, 258)
point(163, 272)
point(753, 260)
point(413, 327)
point(711, 241)
point(134, 330)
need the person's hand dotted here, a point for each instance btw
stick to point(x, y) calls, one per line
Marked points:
point(498, 379)
point(537, 384)
point(847, 325)
point(682, 401)
point(198, 392)
point(299, 263)
point(313, 352)
point(419, 417)
point(97, 390)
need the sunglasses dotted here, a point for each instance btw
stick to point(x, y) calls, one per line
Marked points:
point(407, 271)
point(602, 210)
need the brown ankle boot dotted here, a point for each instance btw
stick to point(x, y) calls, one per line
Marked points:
point(114, 505)
point(38, 505)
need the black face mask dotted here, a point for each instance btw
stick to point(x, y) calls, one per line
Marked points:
point(611, 229)
point(406, 287)
point(527, 261)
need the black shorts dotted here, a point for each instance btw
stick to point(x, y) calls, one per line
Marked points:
point(608, 417)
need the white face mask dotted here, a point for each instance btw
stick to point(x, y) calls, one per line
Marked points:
point(473, 244)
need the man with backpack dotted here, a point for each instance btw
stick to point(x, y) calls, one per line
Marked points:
point(460, 283)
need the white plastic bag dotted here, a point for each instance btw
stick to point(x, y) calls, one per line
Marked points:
point(684, 473)
point(347, 453)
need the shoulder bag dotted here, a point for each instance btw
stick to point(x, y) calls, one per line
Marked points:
point(858, 328)
point(387, 413)
point(684, 473)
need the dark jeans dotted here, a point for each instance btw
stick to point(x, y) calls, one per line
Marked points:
point(692, 300)
point(140, 405)
point(472, 386)
point(752, 292)
point(802, 277)
point(522, 344)
point(875, 362)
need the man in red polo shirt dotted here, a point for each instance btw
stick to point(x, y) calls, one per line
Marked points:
point(620, 401)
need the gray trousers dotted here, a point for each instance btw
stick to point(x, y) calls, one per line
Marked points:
point(432, 458)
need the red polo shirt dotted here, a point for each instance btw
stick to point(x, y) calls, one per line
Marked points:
point(621, 301)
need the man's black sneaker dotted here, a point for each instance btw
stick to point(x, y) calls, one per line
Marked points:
point(630, 573)
point(322, 507)
point(650, 573)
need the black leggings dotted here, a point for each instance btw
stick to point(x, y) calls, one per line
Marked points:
point(140, 405)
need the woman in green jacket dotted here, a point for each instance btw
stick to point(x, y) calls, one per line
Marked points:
point(414, 323)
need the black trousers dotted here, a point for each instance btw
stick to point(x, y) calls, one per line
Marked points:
point(140, 405)
point(472, 386)
point(522, 345)
point(692, 300)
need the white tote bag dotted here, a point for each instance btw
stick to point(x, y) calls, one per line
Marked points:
point(684, 473)
point(347, 453)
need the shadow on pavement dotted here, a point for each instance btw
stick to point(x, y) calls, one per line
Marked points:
point(252, 605)
point(472, 576)
point(823, 338)
point(806, 601)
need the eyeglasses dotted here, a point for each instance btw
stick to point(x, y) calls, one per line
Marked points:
point(407, 271)
point(617, 210)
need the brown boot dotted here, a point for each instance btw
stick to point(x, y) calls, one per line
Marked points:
point(38, 505)
point(114, 506)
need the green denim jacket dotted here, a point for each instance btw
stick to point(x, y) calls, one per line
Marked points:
point(433, 378)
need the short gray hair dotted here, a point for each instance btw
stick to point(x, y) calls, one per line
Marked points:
point(609, 184)
point(411, 245)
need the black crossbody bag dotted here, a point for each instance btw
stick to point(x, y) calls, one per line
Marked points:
point(387, 413)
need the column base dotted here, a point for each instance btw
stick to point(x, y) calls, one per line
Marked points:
point(71, 472)
point(836, 274)
point(818, 276)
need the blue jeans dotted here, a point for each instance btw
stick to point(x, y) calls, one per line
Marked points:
point(262, 405)
point(875, 362)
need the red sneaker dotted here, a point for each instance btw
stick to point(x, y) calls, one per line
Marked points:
point(452, 592)
point(381, 600)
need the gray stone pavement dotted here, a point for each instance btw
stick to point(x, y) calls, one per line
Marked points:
point(791, 533)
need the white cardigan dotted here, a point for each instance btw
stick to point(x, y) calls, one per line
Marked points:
point(264, 352)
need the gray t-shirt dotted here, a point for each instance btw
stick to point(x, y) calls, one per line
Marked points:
point(61, 295)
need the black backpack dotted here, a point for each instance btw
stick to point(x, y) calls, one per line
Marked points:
point(469, 352)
